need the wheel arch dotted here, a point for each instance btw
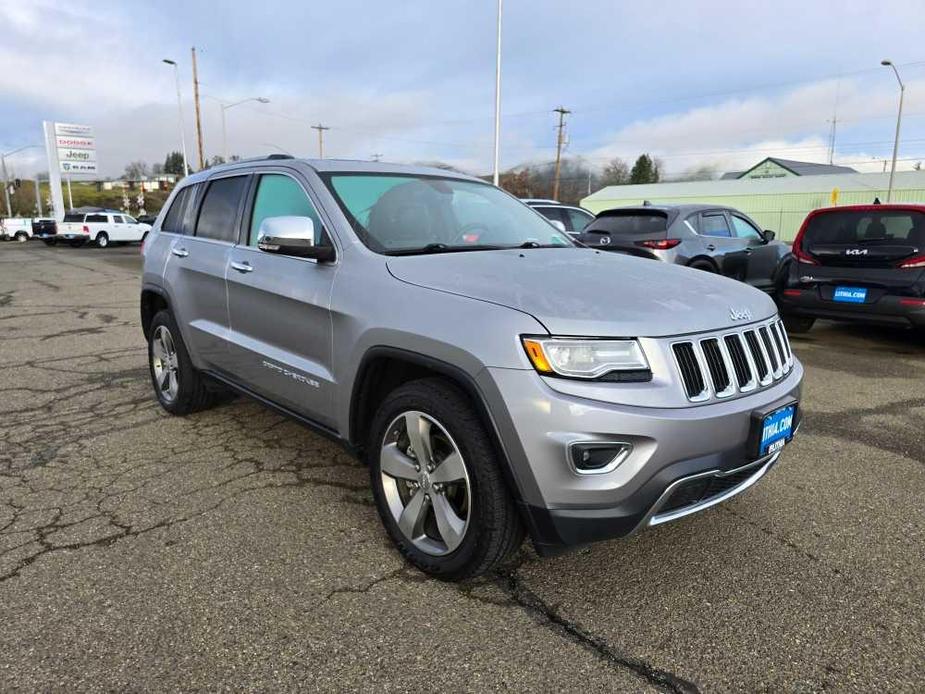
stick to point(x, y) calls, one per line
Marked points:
point(153, 299)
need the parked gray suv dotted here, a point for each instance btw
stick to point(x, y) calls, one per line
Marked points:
point(497, 378)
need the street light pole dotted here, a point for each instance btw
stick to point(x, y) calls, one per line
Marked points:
point(176, 73)
point(225, 107)
point(497, 154)
point(899, 119)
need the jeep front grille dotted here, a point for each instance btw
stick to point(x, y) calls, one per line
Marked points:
point(721, 365)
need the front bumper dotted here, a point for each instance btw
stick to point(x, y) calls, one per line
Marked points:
point(670, 446)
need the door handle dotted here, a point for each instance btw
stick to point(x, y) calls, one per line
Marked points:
point(180, 252)
point(242, 267)
point(711, 247)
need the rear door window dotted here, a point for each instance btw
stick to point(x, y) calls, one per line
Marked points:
point(117, 219)
point(715, 224)
point(218, 214)
point(553, 214)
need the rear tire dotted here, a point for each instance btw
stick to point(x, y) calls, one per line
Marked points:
point(798, 324)
point(178, 386)
point(21, 237)
point(482, 527)
point(102, 239)
point(703, 265)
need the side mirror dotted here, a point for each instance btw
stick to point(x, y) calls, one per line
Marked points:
point(292, 236)
point(769, 235)
point(558, 225)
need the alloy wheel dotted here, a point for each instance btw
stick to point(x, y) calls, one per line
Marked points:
point(165, 364)
point(425, 483)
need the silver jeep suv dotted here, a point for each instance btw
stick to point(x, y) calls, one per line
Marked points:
point(497, 378)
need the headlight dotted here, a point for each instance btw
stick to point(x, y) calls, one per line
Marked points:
point(616, 360)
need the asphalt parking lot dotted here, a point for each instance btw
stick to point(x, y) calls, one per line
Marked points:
point(235, 549)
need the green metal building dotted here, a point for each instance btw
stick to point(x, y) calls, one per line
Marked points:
point(780, 204)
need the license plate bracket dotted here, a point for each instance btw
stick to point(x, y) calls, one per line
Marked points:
point(772, 429)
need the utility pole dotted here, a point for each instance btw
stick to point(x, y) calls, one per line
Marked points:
point(834, 121)
point(320, 128)
point(377, 157)
point(560, 140)
point(899, 120)
point(6, 187)
point(202, 163)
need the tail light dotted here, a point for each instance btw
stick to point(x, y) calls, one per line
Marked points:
point(659, 244)
point(797, 249)
point(793, 292)
point(86, 229)
point(919, 303)
point(915, 262)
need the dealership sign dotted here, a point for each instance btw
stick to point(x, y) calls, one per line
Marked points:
point(75, 147)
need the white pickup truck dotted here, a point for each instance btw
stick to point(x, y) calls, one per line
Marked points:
point(103, 228)
point(16, 229)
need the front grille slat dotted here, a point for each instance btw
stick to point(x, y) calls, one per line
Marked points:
point(739, 361)
point(691, 375)
point(716, 365)
point(761, 364)
point(769, 349)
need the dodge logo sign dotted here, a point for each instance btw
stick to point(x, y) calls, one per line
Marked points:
point(740, 314)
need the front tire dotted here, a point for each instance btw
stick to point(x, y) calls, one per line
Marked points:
point(102, 239)
point(178, 386)
point(437, 482)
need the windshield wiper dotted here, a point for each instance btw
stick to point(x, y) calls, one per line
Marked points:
point(442, 248)
point(537, 244)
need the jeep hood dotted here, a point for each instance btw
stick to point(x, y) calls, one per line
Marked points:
point(577, 291)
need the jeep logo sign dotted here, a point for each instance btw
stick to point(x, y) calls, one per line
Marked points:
point(737, 314)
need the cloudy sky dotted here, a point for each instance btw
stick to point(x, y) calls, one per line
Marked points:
point(695, 83)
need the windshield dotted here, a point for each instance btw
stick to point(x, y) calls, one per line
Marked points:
point(400, 214)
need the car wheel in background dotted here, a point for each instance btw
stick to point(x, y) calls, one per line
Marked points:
point(102, 239)
point(798, 324)
point(438, 484)
point(179, 387)
point(703, 265)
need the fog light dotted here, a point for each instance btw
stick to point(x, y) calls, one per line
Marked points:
point(598, 457)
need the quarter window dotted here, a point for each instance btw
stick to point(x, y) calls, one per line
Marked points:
point(219, 210)
point(282, 196)
point(173, 222)
point(714, 225)
point(744, 228)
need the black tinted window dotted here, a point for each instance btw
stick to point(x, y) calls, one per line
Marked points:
point(219, 209)
point(117, 218)
point(861, 227)
point(551, 213)
point(77, 218)
point(97, 218)
point(631, 223)
point(173, 222)
point(714, 225)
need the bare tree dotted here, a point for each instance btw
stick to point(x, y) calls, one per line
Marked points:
point(136, 171)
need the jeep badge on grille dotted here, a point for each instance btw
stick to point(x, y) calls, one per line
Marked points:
point(739, 314)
